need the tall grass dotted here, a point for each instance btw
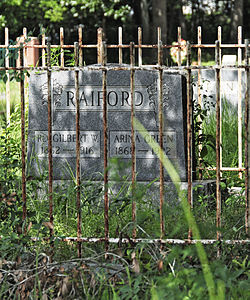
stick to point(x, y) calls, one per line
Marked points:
point(14, 98)
point(182, 279)
point(213, 294)
point(229, 134)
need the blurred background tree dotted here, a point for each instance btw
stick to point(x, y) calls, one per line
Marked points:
point(109, 14)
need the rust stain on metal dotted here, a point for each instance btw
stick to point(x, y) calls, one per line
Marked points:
point(78, 191)
point(50, 139)
point(247, 181)
point(62, 46)
point(160, 89)
point(139, 46)
point(199, 95)
point(23, 141)
point(105, 145)
point(239, 102)
point(218, 142)
point(189, 134)
point(80, 45)
point(132, 92)
point(120, 44)
point(99, 45)
point(145, 241)
point(179, 47)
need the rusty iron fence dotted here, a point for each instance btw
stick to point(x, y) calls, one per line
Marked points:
point(159, 48)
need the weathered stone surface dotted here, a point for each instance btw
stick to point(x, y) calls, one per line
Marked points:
point(229, 86)
point(119, 123)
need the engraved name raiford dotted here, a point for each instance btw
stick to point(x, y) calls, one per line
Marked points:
point(117, 97)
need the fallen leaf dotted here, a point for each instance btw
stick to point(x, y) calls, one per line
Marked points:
point(135, 263)
point(61, 270)
point(44, 297)
point(160, 265)
point(29, 227)
point(49, 225)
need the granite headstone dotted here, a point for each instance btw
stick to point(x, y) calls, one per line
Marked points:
point(228, 86)
point(91, 122)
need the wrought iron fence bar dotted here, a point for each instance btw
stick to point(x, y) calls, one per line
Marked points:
point(132, 117)
point(223, 169)
point(80, 45)
point(189, 135)
point(160, 109)
point(23, 144)
point(199, 97)
point(61, 45)
point(50, 158)
point(139, 46)
point(78, 190)
point(218, 142)
point(173, 69)
point(7, 87)
point(103, 55)
point(179, 46)
point(247, 132)
point(116, 68)
point(120, 44)
point(99, 46)
point(147, 241)
point(25, 48)
point(43, 48)
point(219, 33)
point(239, 102)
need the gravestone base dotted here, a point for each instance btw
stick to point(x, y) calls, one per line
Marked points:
point(145, 191)
point(205, 189)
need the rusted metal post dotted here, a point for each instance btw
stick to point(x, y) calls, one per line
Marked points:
point(80, 46)
point(139, 45)
point(247, 138)
point(50, 139)
point(132, 92)
point(218, 141)
point(189, 133)
point(43, 49)
point(99, 46)
point(7, 64)
point(23, 141)
point(160, 109)
point(61, 46)
point(25, 58)
point(105, 144)
point(219, 63)
point(120, 44)
point(199, 97)
point(78, 191)
point(25, 62)
point(179, 47)
point(220, 40)
point(239, 101)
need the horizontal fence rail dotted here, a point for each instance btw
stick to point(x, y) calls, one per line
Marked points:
point(102, 48)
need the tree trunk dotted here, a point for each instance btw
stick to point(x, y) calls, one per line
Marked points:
point(145, 21)
point(141, 18)
point(182, 21)
point(159, 19)
point(237, 18)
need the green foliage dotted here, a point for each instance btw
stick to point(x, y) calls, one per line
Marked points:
point(229, 132)
point(145, 271)
point(52, 14)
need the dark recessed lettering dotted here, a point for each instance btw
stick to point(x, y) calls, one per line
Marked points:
point(70, 98)
point(112, 98)
point(138, 98)
point(125, 96)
